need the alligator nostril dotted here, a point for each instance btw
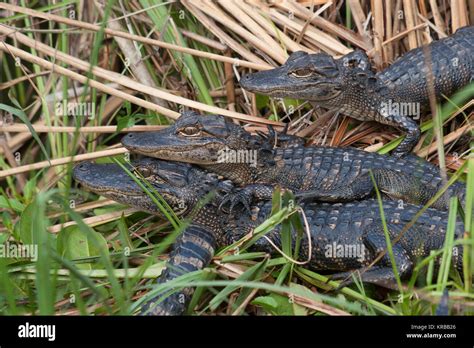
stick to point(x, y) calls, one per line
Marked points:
point(82, 167)
point(130, 135)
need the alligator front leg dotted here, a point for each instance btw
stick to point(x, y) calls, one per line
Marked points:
point(281, 139)
point(247, 195)
point(409, 127)
point(192, 251)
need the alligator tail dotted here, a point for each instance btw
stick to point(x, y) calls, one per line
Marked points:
point(192, 251)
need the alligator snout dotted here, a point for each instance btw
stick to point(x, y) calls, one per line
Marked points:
point(245, 81)
point(82, 166)
point(246, 77)
point(129, 140)
point(81, 171)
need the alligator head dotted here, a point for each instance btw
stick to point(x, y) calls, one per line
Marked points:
point(180, 184)
point(314, 77)
point(192, 138)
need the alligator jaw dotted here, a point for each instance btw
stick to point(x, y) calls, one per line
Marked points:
point(173, 181)
point(192, 139)
point(158, 145)
point(111, 181)
point(101, 177)
point(313, 77)
point(282, 86)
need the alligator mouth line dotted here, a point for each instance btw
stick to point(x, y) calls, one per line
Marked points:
point(292, 90)
point(282, 89)
point(106, 192)
point(170, 149)
point(137, 195)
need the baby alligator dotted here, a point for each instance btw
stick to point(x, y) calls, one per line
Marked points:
point(344, 236)
point(195, 246)
point(321, 173)
point(393, 96)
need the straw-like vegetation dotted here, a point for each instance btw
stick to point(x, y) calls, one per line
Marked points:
point(134, 65)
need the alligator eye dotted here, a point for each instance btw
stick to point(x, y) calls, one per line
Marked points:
point(302, 73)
point(82, 167)
point(143, 171)
point(190, 131)
point(146, 172)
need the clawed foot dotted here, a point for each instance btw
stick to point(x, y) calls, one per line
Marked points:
point(272, 137)
point(235, 198)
